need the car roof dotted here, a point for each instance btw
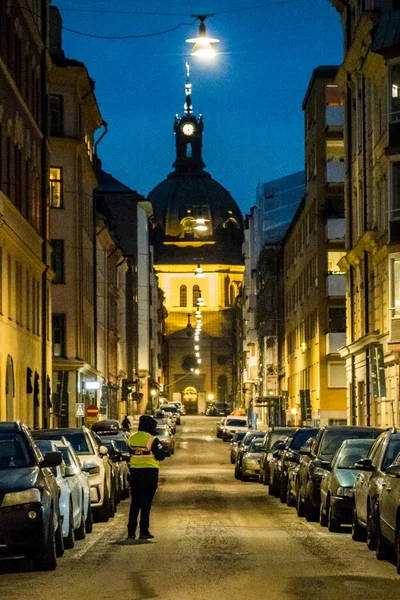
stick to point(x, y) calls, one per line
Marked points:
point(10, 426)
point(355, 442)
point(41, 433)
point(350, 428)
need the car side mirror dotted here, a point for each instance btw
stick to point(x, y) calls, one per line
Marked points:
point(51, 459)
point(393, 471)
point(103, 451)
point(305, 450)
point(325, 464)
point(276, 454)
point(364, 464)
point(117, 456)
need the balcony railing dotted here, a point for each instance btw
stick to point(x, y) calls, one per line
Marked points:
point(335, 171)
point(336, 284)
point(335, 229)
point(334, 341)
point(334, 116)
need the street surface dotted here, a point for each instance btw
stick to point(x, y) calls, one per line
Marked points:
point(215, 538)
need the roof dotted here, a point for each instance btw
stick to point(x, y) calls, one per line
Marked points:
point(387, 34)
point(322, 72)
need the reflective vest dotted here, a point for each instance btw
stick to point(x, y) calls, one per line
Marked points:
point(142, 458)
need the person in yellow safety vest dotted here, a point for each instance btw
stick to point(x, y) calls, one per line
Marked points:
point(146, 452)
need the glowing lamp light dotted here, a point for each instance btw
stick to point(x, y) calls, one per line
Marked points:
point(203, 44)
point(199, 361)
point(197, 347)
point(92, 385)
point(197, 354)
point(293, 411)
point(200, 227)
point(153, 392)
point(196, 371)
point(200, 301)
point(211, 396)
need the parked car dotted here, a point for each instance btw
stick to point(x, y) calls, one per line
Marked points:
point(293, 473)
point(95, 462)
point(107, 426)
point(243, 448)
point(311, 470)
point(217, 409)
point(167, 440)
point(232, 425)
point(251, 459)
point(286, 456)
point(219, 427)
point(338, 481)
point(30, 520)
point(368, 485)
point(180, 406)
point(73, 466)
point(388, 520)
point(165, 418)
point(171, 409)
point(121, 468)
point(273, 435)
point(235, 443)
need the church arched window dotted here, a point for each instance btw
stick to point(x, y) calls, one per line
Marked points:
point(183, 295)
point(196, 294)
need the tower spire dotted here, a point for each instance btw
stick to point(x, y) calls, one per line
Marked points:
point(188, 91)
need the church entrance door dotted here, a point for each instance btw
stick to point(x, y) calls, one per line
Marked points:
point(190, 398)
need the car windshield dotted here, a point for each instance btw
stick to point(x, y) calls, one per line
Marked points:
point(236, 422)
point(172, 409)
point(391, 453)
point(80, 442)
point(255, 445)
point(274, 436)
point(66, 455)
point(239, 435)
point(301, 437)
point(333, 439)
point(14, 452)
point(351, 453)
point(161, 431)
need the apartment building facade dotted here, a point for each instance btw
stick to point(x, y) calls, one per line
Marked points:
point(312, 373)
point(370, 74)
point(25, 274)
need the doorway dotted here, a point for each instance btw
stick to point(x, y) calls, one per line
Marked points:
point(190, 400)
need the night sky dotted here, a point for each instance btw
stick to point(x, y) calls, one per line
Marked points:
point(250, 95)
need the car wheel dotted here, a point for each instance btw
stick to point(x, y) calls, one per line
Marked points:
point(272, 490)
point(309, 510)
point(59, 539)
point(69, 541)
point(244, 477)
point(104, 512)
point(381, 548)
point(370, 535)
point(260, 478)
point(237, 473)
point(232, 461)
point(45, 559)
point(289, 498)
point(357, 532)
point(299, 505)
point(397, 545)
point(89, 520)
point(80, 533)
point(113, 503)
point(173, 450)
point(323, 520)
point(333, 524)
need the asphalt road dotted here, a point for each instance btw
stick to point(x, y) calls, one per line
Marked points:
point(215, 538)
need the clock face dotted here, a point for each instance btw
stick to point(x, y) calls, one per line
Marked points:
point(188, 129)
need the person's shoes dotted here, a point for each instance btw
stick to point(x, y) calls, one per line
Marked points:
point(146, 536)
point(131, 535)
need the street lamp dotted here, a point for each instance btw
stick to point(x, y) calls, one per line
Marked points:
point(202, 44)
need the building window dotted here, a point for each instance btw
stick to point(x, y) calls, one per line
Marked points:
point(56, 181)
point(58, 326)
point(336, 375)
point(196, 294)
point(337, 319)
point(395, 94)
point(395, 203)
point(183, 295)
point(56, 117)
point(333, 260)
point(57, 260)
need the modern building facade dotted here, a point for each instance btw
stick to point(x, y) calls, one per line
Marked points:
point(25, 274)
point(312, 376)
point(197, 237)
point(370, 74)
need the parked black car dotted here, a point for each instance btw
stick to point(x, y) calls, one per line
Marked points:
point(368, 486)
point(311, 469)
point(217, 409)
point(290, 453)
point(235, 443)
point(273, 435)
point(388, 521)
point(30, 522)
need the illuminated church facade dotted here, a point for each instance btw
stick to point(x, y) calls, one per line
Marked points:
point(197, 240)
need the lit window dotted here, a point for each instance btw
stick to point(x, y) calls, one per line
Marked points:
point(196, 294)
point(333, 260)
point(183, 296)
point(395, 94)
point(56, 198)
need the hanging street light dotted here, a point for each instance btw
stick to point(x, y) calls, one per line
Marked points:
point(202, 43)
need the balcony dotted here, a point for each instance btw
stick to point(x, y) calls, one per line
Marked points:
point(334, 341)
point(335, 229)
point(336, 285)
point(335, 171)
point(395, 330)
point(334, 116)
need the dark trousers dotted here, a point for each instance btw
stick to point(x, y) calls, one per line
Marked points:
point(144, 484)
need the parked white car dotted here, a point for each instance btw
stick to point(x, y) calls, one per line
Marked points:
point(74, 474)
point(232, 425)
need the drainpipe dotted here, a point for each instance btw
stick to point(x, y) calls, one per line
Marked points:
point(44, 225)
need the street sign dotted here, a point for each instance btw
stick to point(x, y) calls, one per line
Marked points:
point(91, 412)
point(79, 409)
